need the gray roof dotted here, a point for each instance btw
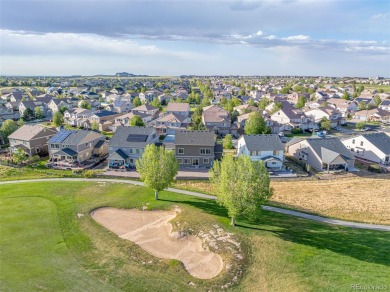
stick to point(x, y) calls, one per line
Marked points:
point(118, 155)
point(66, 151)
point(69, 137)
point(379, 140)
point(131, 137)
point(266, 142)
point(195, 138)
point(333, 144)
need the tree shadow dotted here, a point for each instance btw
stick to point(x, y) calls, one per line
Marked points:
point(365, 245)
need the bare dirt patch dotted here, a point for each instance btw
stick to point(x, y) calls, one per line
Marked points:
point(152, 231)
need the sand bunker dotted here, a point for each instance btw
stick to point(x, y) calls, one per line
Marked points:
point(151, 231)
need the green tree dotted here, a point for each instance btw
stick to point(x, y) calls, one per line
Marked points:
point(227, 142)
point(251, 101)
point(301, 102)
point(325, 124)
point(20, 122)
point(241, 186)
point(95, 126)
point(38, 112)
point(235, 101)
point(362, 106)
point(137, 101)
point(263, 103)
point(255, 124)
point(156, 103)
point(136, 121)
point(85, 105)
point(377, 100)
point(205, 102)
point(360, 125)
point(63, 109)
point(157, 168)
point(27, 114)
point(7, 128)
point(19, 156)
point(277, 106)
point(58, 119)
point(345, 96)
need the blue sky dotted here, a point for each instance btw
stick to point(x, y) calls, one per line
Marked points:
point(243, 37)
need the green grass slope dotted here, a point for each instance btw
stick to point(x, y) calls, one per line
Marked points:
point(45, 245)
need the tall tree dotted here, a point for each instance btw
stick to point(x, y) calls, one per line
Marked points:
point(85, 105)
point(241, 185)
point(227, 142)
point(157, 168)
point(58, 119)
point(325, 124)
point(19, 156)
point(27, 114)
point(38, 112)
point(377, 100)
point(137, 101)
point(95, 126)
point(20, 122)
point(345, 96)
point(7, 128)
point(301, 102)
point(256, 124)
point(136, 121)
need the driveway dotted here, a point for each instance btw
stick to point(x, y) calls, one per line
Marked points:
point(200, 195)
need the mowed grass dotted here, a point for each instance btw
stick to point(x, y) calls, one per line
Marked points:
point(47, 226)
point(362, 199)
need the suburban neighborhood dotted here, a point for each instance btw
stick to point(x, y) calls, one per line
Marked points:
point(321, 124)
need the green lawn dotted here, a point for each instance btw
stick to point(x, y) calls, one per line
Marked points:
point(45, 246)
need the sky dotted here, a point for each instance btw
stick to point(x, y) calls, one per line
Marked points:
point(183, 37)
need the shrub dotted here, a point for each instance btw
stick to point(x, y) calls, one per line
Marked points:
point(374, 168)
point(89, 173)
point(296, 131)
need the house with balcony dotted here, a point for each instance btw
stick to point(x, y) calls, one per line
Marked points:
point(32, 139)
point(374, 147)
point(71, 148)
point(128, 144)
point(195, 148)
point(267, 148)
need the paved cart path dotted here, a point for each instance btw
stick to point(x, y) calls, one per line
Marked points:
point(200, 195)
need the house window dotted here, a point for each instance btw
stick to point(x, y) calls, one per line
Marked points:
point(361, 143)
point(137, 150)
point(252, 153)
point(352, 149)
point(276, 152)
point(205, 151)
point(180, 150)
point(187, 161)
point(131, 150)
point(206, 161)
point(180, 161)
point(353, 141)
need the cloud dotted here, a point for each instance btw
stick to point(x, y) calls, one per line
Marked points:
point(29, 43)
point(380, 16)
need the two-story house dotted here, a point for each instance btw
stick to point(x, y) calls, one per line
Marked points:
point(147, 110)
point(194, 148)
point(290, 117)
point(168, 123)
point(74, 147)
point(332, 114)
point(128, 144)
point(373, 147)
point(267, 148)
point(178, 108)
point(32, 139)
point(218, 120)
